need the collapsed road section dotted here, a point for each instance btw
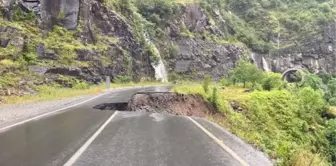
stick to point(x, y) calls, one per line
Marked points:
point(163, 102)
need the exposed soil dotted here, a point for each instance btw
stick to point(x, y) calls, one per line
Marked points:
point(164, 102)
point(171, 103)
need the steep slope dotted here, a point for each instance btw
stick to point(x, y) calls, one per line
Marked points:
point(70, 41)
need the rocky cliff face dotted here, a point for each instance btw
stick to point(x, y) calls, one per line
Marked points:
point(42, 40)
point(197, 58)
point(101, 42)
point(107, 43)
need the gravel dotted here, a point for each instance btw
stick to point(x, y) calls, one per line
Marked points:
point(12, 114)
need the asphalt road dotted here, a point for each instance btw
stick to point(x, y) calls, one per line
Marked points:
point(84, 136)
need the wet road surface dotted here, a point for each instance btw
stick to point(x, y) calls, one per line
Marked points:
point(52, 140)
point(142, 139)
point(128, 139)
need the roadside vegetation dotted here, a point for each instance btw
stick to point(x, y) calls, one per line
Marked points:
point(293, 123)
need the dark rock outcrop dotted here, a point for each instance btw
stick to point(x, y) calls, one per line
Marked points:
point(88, 74)
point(198, 58)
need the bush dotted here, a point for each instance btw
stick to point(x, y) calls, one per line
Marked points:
point(331, 136)
point(206, 83)
point(214, 97)
point(224, 82)
point(81, 85)
point(312, 105)
point(272, 81)
point(313, 81)
point(20, 15)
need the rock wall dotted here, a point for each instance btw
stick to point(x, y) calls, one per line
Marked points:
point(314, 55)
point(198, 58)
point(94, 24)
point(191, 30)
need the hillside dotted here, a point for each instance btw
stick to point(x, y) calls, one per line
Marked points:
point(75, 42)
point(66, 46)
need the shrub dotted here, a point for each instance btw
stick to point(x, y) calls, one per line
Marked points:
point(20, 15)
point(173, 51)
point(313, 81)
point(122, 79)
point(224, 82)
point(272, 81)
point(206, 83)
point(29, 57)
point(214, 97)
point(81, 85)
point(311, 101)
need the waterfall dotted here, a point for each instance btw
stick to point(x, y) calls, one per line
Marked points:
point(161, 73)
point(253, 58)
point(265, 65)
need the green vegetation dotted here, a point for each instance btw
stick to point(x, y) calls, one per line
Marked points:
point(272, 81)
point(206, 82)
point(122, 79)
point(287, 123)
point(292, 123)
point(245, 72)
point(19, 15)
point(257, 24)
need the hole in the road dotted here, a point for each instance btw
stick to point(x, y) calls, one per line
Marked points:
point(163, 102)
point(112, 106)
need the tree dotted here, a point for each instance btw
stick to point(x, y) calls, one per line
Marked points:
point(245, 72)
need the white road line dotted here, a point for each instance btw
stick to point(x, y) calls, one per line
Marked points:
point(81, 150)
point(218, 141)
point(46, 114)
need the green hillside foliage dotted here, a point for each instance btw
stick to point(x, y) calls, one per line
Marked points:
point(293, 123)
point(256, 23)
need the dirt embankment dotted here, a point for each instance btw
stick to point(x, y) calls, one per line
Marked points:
point(171, 103)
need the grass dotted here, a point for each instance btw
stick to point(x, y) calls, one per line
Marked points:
point(306, 158)
point(54, 93)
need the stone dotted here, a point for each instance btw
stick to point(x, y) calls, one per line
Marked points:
point(70, 8)
point(195, 19)
point(85, 55)
point(182, 66)
point(197, 56)
point(4, 42)
point(49, 54)
point(40, 50)
point(40, 70)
